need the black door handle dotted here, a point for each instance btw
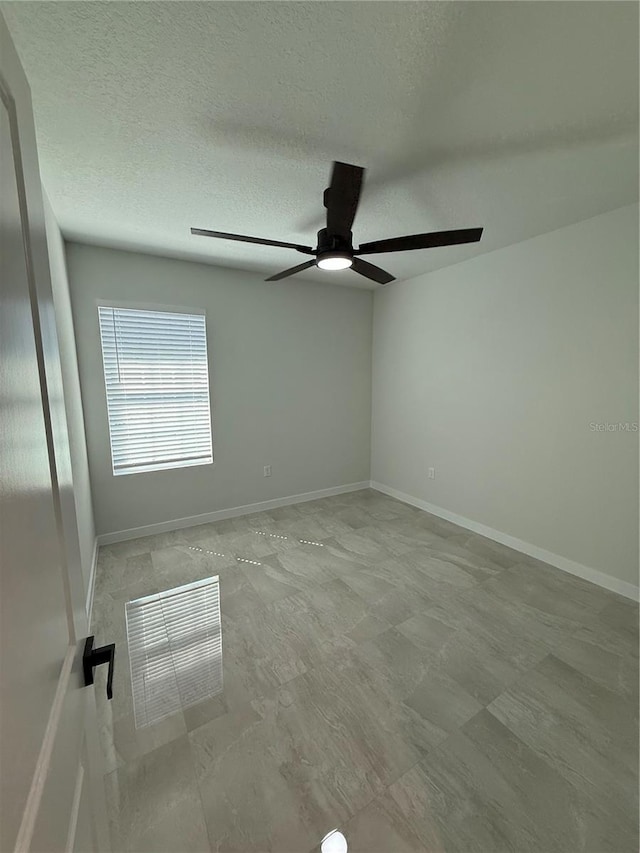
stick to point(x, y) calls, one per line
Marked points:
point(94, 657)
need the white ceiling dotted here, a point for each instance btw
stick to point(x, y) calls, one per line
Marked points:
point(153, 117)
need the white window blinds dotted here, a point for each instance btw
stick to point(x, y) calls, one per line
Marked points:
point(157, 382)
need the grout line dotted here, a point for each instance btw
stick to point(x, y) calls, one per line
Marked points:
point(591, 575)
point(323, 660)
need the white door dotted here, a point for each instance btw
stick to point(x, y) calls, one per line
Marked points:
point(51, 794)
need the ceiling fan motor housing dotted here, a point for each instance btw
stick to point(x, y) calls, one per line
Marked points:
point(330, 243)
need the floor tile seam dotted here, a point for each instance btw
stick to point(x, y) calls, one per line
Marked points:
point(146, 755)
point(421, 762)
point(358, 567)
point(464, 569)
point(245, 732)
point(213, 539)
point(252, 726)
point(570, 581)
point(558, 719)
point(516, 684)
point(617, 599)
point(574, 636)
point(309, 670)
point(183, 540)
point(319, 662)
point(441, 672)
point(547, 757)
point(196, 782)
point(550, 646)
point(323, 657)
point(384, 788)
point(182, 799)
point(510, 682)
point(351, 814)
point(198, 551)
point(465, 631)
point(232, 555)
point(292, 534)
point(287, 551)
point(452, 592)
point(105, 555)
point(446, 598)
point(621, 698)
point(439, 667)
point(114, 591)
point(438, 671)
point(495, 577)
point(116, 769)
point(270, 556)
point(380, 795)
point(622, 656)
point(315, 584)
point(494, 569)
point(554, 643)
point(267, 604)
point(356, 558)
point(582, 584)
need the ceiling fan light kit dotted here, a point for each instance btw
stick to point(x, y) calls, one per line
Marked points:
point(334, 262)
point(334, 250)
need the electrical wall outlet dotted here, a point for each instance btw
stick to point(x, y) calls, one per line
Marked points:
point(267, 470)
point(431, 473)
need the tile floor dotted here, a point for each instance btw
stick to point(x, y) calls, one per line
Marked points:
point(387, 673)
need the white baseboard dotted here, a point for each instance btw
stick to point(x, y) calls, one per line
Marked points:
point(92, 581)
point(602, 579)
point(233, 512)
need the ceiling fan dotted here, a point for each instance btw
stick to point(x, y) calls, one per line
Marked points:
point(335, 242)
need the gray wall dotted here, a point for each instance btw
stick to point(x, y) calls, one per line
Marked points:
point(71, 391)
point(493, 370)
point(290, 369)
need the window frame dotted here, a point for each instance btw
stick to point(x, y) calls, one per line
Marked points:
point(162, 308)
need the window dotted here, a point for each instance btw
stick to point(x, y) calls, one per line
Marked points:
point(157, 382)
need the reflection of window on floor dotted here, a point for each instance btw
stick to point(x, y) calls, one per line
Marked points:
point(175, 649)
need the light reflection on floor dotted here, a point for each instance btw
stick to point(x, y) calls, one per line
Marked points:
point(334, 842)
point(358, 671)
point(175, 643)
point(175, 649)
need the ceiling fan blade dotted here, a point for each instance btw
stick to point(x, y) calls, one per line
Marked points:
point(371, 271)
point(242, 238)
point(342, 197)
point(291, 271)
point(421, 241)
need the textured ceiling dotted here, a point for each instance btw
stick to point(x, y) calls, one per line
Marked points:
point(152, 117)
